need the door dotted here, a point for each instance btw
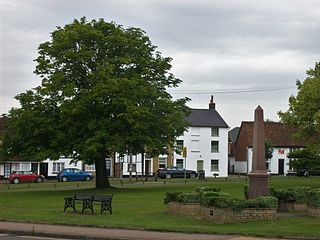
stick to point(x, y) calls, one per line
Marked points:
point(108, 166)
point(281, 166)
point(148, 167)
point(199, 165)
point(7, 170)
point(44, 169)
point(34, 167)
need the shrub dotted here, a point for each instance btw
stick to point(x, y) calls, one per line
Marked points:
point(171, 197)
point(297, 194)
point(314, 199)
point(188, 198)
point(207, 189)
point(214, 198)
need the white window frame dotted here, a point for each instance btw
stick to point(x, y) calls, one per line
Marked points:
point(57, 166)
point(214, 169)
point(214, 149)
point(214, 132)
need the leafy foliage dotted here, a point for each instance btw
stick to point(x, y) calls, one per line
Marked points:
point(304, 109)
point(171, 197)
point(206, 189)
point(188, 198)
point(307, 158)
point(268, 149)
point(103, 90)
point(297, 194)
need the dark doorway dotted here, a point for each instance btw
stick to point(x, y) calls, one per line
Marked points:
point(147, 167)
point(108, 166)
point(281, 166)
point(34, 167)
point(44, 169)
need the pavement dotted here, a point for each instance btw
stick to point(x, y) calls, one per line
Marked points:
point(74, 232)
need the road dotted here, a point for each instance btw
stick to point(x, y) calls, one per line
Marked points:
point(4, 236)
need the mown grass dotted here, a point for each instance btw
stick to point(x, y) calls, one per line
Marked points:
point(141, 207)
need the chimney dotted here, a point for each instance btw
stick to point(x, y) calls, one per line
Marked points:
point(212, 105)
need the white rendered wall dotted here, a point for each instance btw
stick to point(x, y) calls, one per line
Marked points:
point(239, 166)
point(278, 153)
point(67, 164)
point(204, 150)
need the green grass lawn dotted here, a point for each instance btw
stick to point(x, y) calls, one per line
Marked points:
point(141, 207)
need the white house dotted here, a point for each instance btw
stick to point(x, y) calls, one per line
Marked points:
point(206, 142)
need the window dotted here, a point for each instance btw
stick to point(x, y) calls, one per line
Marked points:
point(179, 163)
point(214, 146)
point(15, 166)
point(162, 162)
point(214, 132)
point(25, 166)
point(57, 167)
point(133, 167)
point(214, 165)
point(195, 131)
point(179, 144)
point(91, 167)
point(195, 146)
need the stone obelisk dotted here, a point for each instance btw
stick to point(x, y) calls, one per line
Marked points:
point(258, 177)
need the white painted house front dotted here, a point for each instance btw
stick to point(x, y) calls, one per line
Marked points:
point(206, 141)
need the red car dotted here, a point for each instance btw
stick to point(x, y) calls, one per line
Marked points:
point(25, 176)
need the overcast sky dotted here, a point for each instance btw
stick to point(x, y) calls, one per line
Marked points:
point(225, 48)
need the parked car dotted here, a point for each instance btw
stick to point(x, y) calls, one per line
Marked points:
point(73, 174)
point(306, 172)
point(25, 176)
point(175, 172)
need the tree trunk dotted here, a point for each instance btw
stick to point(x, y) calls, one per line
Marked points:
point(102, 180)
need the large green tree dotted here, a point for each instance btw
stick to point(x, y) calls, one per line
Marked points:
point(103, 90)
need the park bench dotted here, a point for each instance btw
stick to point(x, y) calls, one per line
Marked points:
point(88, 200)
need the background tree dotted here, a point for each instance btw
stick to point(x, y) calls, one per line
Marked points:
point(304, 114)
point(304, 109)
point(103, 90)
point(306, 159)
point(268, 149)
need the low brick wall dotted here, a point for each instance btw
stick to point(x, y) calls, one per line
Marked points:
point(187, 209)
point(314, 212)
point(222, 215)
point(291, 207)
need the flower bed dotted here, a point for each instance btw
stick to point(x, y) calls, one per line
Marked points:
point(212, 205)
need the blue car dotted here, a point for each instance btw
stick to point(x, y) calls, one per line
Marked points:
point(73, 174)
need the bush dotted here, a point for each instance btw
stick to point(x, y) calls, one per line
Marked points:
point(171, 197)
point(297, 194)
point(314, 199)
point(214, 198)
point(207, 189)
point(188, 198)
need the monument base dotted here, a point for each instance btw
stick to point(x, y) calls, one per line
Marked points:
point(258, 184)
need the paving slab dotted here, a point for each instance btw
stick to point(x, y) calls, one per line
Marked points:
point(75, 232)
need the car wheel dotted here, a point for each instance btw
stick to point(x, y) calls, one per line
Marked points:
point(87, 178)
point(168, 176)
point(192, 175)
point(39, 180)
point(16, 181)
point(64, 179)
